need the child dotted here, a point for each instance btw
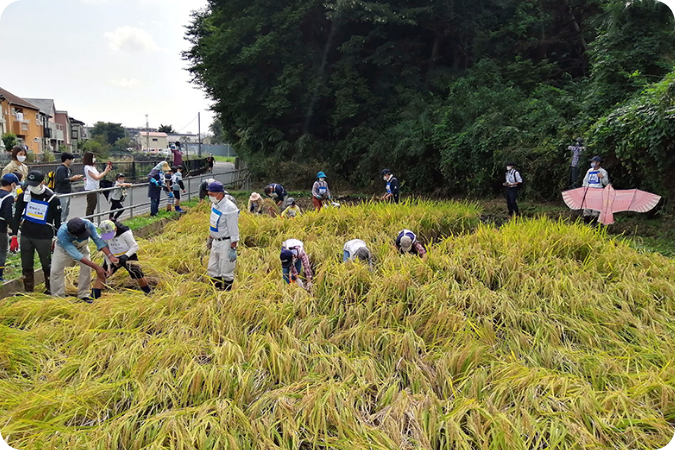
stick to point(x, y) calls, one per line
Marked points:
point(255, 204)
point(118, 196)
point(170, 199)
point(177, 186)
point(122, 244)
point(292, 211)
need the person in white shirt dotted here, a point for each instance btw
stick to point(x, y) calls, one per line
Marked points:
point(91, 179)
point(223, 237)
point(596, 178)
point(356, 249)
point(512, 184)
point(121, 243)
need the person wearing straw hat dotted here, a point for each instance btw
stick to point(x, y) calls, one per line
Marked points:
point(406, 242)
point(121, 242)
point(255, 204)
point(293, 260)
point(38, 211)
point(596, 178)
point(357, 250)
point(72, 247)
point(392, 193)
point(9, 183)
point(223, 237)
point(320, 191)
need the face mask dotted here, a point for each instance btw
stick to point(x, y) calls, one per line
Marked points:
point(385, 178)
point(37, 189)
point(214, 199)
point(322, 179)
point(508, 168)
point(21, 158)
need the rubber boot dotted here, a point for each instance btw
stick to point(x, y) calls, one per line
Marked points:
point(29, 282)
point(227, 285)
point(48, 287)
point(218, 283)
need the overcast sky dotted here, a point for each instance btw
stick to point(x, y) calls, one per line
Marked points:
point(109, 60)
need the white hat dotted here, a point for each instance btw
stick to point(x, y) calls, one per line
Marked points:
point(406, 243)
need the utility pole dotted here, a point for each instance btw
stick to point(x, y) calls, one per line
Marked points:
point(147, 134)
point(199, 132)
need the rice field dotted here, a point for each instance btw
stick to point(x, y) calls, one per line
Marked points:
point(537, 335)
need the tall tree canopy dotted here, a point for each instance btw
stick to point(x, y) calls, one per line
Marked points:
point(166, 129)
point(110, 132)
point(442, 92)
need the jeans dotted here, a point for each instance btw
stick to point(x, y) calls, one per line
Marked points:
point(287, 271)
point(154, 206)
point(65, 208)
point(345, 256)
point(92, 200)
point(511, 196)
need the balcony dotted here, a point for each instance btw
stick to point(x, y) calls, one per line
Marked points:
point(19, 127)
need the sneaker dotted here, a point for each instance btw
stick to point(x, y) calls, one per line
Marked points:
point(88, 300)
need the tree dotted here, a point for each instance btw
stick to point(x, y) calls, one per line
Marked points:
point(111, 132)
point(100, 150)
point(9, 139)
point(216, 128)
point(168, 129)
point(121, 145)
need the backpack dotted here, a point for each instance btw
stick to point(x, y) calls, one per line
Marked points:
point(105, 184)
point(50, 181)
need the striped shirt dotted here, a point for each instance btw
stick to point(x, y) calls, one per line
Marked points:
point(576, 150)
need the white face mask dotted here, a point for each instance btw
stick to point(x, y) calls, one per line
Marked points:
point(385, 178)
point(322, 179)
point(508, 168)
point(37, 190)
point(214, 199)
point(21, 158)
point(93, 160)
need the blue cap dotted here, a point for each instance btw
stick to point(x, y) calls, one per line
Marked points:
point(10, 178)
point(321, 175)
point(286, 257)
point(216, 186)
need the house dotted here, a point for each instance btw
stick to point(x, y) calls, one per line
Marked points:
point(53, 132)
point(78, 133)
point(152, 140)
point(63, 120)
point(23, 119)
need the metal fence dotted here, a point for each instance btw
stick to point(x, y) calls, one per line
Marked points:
point(237, 179)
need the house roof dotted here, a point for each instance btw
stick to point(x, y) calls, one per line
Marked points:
point(152, 134)
point(45, 105)
point(73, 120)
point(18, 101)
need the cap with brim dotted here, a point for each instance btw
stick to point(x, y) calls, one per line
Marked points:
point(406, 243)
point(78, 228)
point(35, 178)
point(596, 158)
point(107, 229)
point(10, 178)
point(216, 186)
point(286, 257)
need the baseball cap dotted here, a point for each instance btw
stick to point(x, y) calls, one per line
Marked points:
point(119, 175)
point(216, 186)
point(595, 158)
point(78, 228)
point(286, 257)
point(385, 172)
point(107, 228)
point(10, 178)
point(35, 177)
point(406, 243)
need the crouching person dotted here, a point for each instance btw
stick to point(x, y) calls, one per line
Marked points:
point(72, 248)
point(406, 242)
point(356, 249)
point(223, 237)
point(293, 260)
point(121, 243)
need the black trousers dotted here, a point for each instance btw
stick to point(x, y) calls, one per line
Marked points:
point(574, 176)
point(511, 196)
point(116, 209)
point(29, 246)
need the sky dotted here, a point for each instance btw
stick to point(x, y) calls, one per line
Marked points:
point(107, 60)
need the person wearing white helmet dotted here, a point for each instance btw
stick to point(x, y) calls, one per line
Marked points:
point(204, 189)
point(123, 246)
point(406, 242)
point(255, 204)
point(223, 237)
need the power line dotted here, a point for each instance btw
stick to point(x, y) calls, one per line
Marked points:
point(181, 129)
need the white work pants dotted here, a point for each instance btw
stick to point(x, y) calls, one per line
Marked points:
point(60, 260)
point(219, 261)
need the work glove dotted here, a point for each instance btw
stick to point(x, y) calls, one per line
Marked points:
point(14, 245)
point(233, 254)
point(170, 195)
point(155, 182)
point(123, 260)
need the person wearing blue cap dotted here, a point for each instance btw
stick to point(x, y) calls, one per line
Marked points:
point(8, 184)
point(293, 260)
point(320, 191)
point(72, 247)
point(392, 187)
point(223, 237)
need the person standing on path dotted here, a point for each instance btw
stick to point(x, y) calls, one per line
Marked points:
point(320, 191)
point(64, 180)
point(177, 157)
point(72, 247)
point(596, 178)
point(512, 184)
point(38, 210)
point(91, 181)
point(19, 156)
point(8, 184)
point(223, 238)
point(118, 196)
point(155, 185)
point(577, 149)
point(392, 188)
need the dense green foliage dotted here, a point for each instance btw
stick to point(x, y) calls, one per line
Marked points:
point(443, 93)
point(110, 132)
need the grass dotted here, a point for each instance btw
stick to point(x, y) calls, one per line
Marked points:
point(227, 159)
point(538, 334)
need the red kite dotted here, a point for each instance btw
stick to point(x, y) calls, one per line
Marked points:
point(609, 201)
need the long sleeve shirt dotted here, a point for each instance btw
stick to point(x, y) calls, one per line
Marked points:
point(69, 242)
point(7, 212)
point(63, 185)
point(155, 184)
point(224, 220)
point(278, 192)
point(177, 181)
point(594, 181)
point(292, 211)
point(320, 189)
point(392, 187)
point(255, 207)
point(294, 244)
point(576, 150)
point(38, 214)
point(15, 166)
point(122, 244)
point(513, 177)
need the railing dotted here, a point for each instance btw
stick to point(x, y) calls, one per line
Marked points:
point(238, 179)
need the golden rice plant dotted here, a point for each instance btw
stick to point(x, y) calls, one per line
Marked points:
point(535, 335)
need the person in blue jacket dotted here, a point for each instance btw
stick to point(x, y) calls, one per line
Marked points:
point(277, 193)
point(155, 185)
point(392, 188)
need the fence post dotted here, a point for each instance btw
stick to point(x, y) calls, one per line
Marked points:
point(131, 203)
point(98, 209)
point(133, 170)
